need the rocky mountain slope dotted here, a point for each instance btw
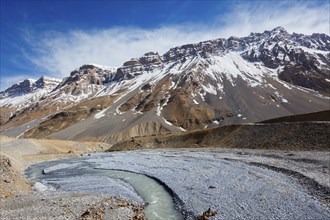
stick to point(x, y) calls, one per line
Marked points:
point(23, 94)
point(194, 86)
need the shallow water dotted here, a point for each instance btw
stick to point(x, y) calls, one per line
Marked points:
point(159, 202)
point(201, 180)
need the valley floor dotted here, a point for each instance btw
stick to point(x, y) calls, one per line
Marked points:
point(236, 183)
point(21, 199)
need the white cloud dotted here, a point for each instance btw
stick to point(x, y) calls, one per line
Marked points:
point(60, 53)
point(300, 17)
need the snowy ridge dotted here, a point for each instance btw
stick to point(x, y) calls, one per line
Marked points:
point(231, 66)
point(209, 73)
point(26, 92)
point(226, 64)
point(103, 67)
point(23, 100)
point(221, 59)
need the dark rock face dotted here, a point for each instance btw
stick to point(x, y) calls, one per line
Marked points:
point(20, 88)
point(132, 62)
point(46, 82)
point(305, 59)
point(82, 78)
point(150, 58)
point(203, 48)
point(305, 77)
point(28, 86)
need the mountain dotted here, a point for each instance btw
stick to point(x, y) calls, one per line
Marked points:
point(23, 94)
point(84, 82)
point(19, 93)
point(194, 86)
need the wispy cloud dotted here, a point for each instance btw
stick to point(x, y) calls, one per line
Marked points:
point(60, 53)
point(305, 17)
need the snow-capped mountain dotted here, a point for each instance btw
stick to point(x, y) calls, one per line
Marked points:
point(23, 94)
point(220, 81)
point(27, 91)
point(84, 82)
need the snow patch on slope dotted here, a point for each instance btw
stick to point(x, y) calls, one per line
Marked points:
point(100, 114)
point(23, 100)
point(103, 67)
point(232, 66)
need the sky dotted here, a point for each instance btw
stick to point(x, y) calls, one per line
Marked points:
point(40, 37)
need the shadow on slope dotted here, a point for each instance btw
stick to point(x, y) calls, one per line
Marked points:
point(298, 132)
point(314, 116)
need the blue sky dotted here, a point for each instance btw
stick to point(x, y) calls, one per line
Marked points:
point(54, 37)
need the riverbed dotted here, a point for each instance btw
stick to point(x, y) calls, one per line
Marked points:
point(231, 182)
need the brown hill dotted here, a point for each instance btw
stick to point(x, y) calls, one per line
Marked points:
point(299, 132)
point(314, 116)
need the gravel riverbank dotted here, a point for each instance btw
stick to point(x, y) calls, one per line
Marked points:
point(23, 199)
point(60, 205)
point(208, 178)
point(237, 184)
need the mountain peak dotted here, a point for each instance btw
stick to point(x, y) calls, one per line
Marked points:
point(279, 29)
point(46, 82)
point(103, 67)
point(21, 87)
point(29, 85)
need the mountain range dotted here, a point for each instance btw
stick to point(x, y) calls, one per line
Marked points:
point(194, 86)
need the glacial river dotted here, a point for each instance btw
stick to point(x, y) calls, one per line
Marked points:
point(159, 204)
point(185, 183)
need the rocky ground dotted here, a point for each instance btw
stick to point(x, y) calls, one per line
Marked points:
point(17, 154)
point(20, 199)
point(227, 183)
point(222, 183)
point(237, 183)
point(11, 180)
point(54, 205)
